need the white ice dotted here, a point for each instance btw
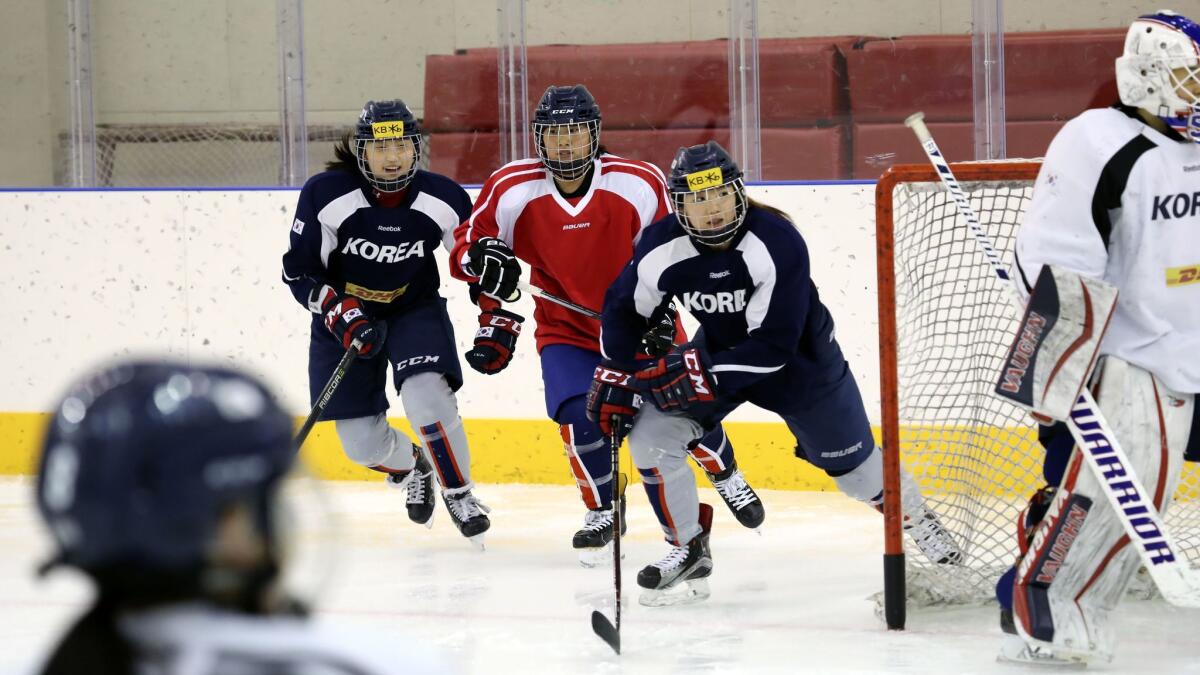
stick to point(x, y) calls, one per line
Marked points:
point(793, 599)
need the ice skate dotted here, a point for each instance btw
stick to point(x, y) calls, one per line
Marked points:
point(1016, 650)
point(739, 496)
point(468, 513)
point(594, 540)
point(690, 564)
point(418, 486)
point(933, 538)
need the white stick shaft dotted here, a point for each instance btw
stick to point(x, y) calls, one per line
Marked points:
point(1093, 436)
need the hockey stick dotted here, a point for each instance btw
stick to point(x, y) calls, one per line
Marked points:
point(609, 632)
point(327, 393)
point(534, 290)
point(1134, 508)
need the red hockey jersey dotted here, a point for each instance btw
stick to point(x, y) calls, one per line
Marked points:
point(575, 247)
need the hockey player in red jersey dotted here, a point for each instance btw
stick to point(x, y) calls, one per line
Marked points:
point(573, 215)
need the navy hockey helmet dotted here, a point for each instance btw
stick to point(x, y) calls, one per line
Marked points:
point(707, 192)
point(390, 128)
point(1159, 70)
point(561, 117)
point(141, 460)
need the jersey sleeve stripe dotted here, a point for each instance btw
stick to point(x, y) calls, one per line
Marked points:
point(744, 368)
point(647, 296)
point(439, 212)
point(333, 215)
point(762, 272)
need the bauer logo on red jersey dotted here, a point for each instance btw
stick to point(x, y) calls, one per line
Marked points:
point(702, 180)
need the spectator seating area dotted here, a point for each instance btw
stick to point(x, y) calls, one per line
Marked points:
point(831, 107)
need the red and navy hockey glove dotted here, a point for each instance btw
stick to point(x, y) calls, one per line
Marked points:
point(660, 337)
point(678, 380)
point(613, 401)
point(346, 319)
point(495, 340)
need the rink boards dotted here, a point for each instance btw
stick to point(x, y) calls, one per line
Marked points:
point(195, 274)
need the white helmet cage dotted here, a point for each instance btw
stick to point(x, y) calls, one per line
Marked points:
point(1156, 46)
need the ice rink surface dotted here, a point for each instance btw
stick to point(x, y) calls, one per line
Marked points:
point(793, 599)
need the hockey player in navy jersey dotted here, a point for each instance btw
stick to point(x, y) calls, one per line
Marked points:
point(361, 261)
point(159, 481)
point(1115, 201)
point(742, 268)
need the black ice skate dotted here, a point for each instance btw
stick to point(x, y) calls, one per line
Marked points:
point(739, 496)
point(933, 538)
point(468, 513)
point(594, 540)
point(690, 563)
point(418, 485)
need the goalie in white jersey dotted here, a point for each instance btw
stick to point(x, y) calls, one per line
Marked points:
point(159, 481)
point(1117, 200)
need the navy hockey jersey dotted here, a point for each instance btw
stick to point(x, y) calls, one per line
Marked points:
point(758, 308)
point(343, 237)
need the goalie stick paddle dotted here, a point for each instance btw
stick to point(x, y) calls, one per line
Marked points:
point(534, 290)
point(326, 394)
point(1158, 550)
point(609, 631)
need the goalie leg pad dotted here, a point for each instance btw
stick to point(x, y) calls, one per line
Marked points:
point(1079, 561)
point(432, 410)
point(659, 447)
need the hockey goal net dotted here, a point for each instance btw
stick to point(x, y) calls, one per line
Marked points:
point(945, 326)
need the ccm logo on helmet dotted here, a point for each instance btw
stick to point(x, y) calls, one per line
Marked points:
point(389, 254)
point(723, 302)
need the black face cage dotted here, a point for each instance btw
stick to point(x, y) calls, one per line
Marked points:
point(573, 168)
point(360, 147)
point(705, 235)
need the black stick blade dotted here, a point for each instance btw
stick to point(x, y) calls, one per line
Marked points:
point(607, 632)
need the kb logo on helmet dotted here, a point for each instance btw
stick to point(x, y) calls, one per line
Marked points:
point(702, 180)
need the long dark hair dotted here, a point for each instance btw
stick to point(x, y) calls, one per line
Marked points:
point(344, 158)
point(755, 204)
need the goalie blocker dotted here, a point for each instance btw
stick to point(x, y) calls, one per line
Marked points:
point(1057, 342)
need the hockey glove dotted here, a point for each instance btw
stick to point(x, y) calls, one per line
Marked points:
point(496, 266)
point(612, 401)
point(660, 337)
point(678, 380)
point(345, 318)
point(495, 340)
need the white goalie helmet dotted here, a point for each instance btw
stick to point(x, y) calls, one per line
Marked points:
point(1160, 70)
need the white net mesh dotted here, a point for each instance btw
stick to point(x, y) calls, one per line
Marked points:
point(200, 155)
point(975, 456)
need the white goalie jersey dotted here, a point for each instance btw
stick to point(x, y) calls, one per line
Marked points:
point(1107, 179)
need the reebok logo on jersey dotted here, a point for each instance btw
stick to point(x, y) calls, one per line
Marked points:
point(1182, 205)
point(389, 228)
point(723, 302)
point(719, 275)
point(385, 254)
point(298, 226)
point(576, 226)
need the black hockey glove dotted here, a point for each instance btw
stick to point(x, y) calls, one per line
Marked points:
point(613, 401)
point(495, 340)
point(496, 266)
point(346, 319)
point(660, 337)
point(678, 380)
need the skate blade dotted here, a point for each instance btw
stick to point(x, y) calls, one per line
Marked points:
point(477, 542)
point(428, 524)
point(687, 593)
point(601, 556)
point(1015, 650)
